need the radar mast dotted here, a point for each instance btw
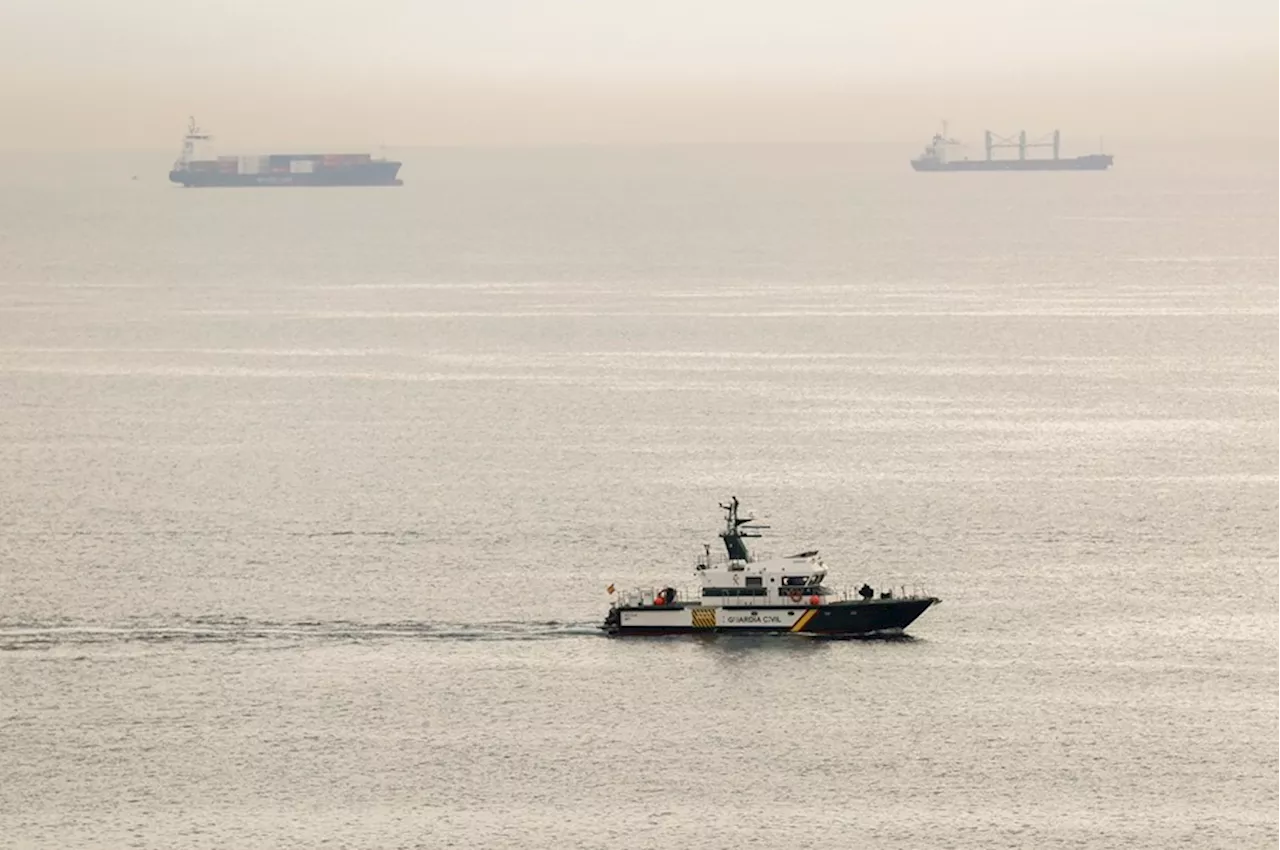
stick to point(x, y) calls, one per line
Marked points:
point(736, 529)
point(194, 134)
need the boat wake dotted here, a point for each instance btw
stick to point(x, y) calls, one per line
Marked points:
point(238, 630)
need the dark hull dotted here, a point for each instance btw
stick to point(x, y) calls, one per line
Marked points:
point(837, 619)
point(363, 174)
point(1093, 162)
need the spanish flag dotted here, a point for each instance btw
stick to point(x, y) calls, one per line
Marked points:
point(609, 588)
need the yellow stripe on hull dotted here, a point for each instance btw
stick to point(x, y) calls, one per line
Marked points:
point(804, 619)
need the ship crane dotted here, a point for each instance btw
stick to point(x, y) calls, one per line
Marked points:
point(995, 142)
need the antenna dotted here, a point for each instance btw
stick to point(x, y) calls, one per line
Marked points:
point(736, 529)
point(193, 130)
point(194, 134)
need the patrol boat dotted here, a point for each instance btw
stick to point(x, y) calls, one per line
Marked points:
point(740, 594)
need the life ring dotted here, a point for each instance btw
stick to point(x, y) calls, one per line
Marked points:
point(795, 595)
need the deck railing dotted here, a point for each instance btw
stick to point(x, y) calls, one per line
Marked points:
point(686, 595)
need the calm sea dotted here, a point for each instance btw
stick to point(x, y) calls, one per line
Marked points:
point(309, 500)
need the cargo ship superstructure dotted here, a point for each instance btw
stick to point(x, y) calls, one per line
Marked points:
point(936, 155)
point(740, 594)
point(295, 169)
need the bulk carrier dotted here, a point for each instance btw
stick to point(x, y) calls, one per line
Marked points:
point(935, 156)
point(291, 169)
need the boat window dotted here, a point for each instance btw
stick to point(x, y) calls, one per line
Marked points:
point(805, 591)
point(803, 581)
point(734, 591)
point(754, 581)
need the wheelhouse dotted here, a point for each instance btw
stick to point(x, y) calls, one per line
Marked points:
point(739, 579)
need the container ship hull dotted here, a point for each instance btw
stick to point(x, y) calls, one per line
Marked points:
point(358, 169)
point(1093, 162)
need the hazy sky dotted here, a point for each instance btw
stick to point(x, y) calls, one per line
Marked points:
point(86, 73)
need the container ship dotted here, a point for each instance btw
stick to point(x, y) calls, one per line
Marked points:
point(291, 169)
point(935, 156)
